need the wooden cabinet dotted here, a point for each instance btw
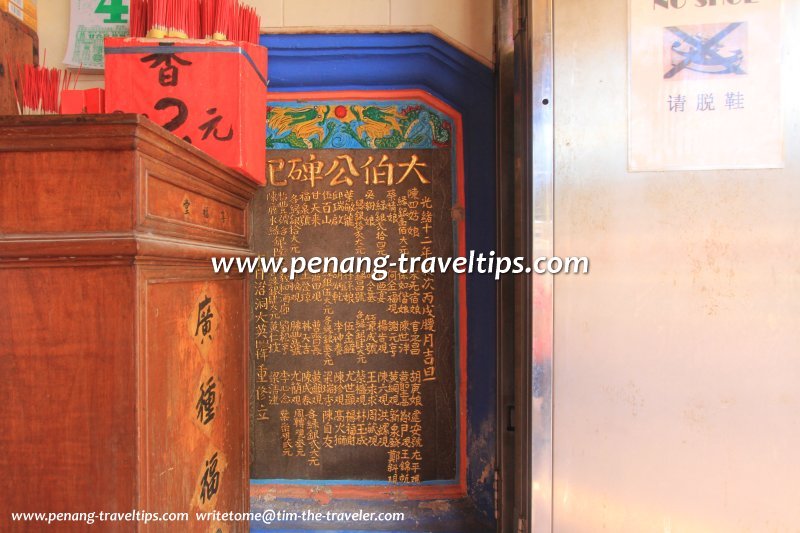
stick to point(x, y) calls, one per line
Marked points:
point(123, 356)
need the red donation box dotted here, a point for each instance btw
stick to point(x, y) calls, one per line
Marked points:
point(211, 94)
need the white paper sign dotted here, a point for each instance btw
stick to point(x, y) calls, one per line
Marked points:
point(90, 21)
point(704, 85)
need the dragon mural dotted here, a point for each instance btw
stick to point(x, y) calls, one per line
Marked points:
point(379, 125)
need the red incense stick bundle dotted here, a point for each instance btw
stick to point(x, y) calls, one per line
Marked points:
point(207, 10)
point(138, 18)
point(40, 88)
point(194, 19)
point(157, 19)
point(219, 26)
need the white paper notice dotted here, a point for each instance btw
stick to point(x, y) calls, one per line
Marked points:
point(704, 85)
point(90, 21)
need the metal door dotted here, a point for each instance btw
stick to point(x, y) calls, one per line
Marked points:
point(675, 361)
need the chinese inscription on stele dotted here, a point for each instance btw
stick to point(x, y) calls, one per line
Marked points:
point(353, 378)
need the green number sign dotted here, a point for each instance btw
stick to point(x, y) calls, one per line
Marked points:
point(114, 9)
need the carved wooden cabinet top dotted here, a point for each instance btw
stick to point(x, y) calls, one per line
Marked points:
point(115, 185)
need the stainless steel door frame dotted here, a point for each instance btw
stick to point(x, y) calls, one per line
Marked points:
point(535, 224)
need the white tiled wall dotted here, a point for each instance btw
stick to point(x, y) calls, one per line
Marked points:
point(468, 24)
